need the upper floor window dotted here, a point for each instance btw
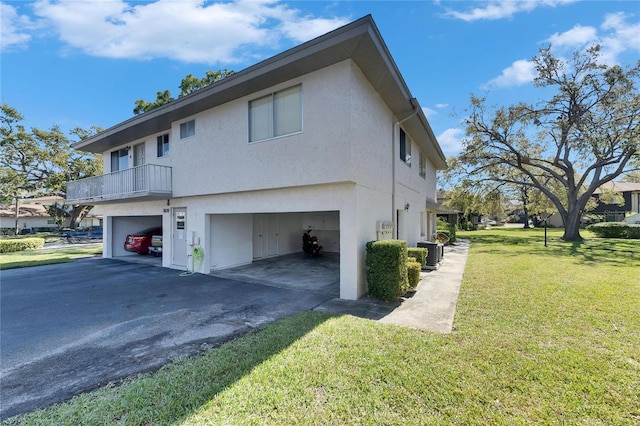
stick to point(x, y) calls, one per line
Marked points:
point(276, 114)
point(405, 147)
point(163, 145)
point(187, 129)
point(119, 159)
point(423, 166)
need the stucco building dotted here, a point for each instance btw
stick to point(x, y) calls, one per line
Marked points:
point(325, 135)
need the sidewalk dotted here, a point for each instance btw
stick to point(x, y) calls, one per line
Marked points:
point(431, 308)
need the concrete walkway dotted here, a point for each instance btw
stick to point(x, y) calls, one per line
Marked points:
point(432, 307)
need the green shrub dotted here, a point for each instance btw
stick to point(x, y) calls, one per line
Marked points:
point(413, 272)
point(386, 266)
point(10, 246)
point(609, 229)
point(447, 228)
point(633, 231)
point(452, 232)
point(442, 225)
point(467, 226)
point(419, 253)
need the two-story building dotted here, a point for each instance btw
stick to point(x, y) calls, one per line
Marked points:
point(325, 135)
point(630, 193)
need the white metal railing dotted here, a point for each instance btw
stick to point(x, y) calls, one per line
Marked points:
point(139, 181)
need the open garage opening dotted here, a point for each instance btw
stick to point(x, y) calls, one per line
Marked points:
point(267, 248)
point(122, 226)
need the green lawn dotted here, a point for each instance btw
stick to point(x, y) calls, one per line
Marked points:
point(23, 259)
point(542, 335)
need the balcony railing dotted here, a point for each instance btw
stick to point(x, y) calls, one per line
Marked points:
point(149, 181)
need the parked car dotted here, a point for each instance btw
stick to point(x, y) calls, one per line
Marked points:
point(156, 246)
point(141, 241)
point(90, 232)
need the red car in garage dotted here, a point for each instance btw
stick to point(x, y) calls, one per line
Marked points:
point(140, 241)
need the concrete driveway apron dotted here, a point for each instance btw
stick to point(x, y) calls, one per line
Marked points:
point(70, 328)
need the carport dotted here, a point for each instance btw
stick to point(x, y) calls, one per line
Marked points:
point(317, 275)
point(245, 239)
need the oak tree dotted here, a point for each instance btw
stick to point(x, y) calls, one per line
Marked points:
point(584, 134)
point(39, 162)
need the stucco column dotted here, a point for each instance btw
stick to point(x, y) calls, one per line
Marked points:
point(351, 286)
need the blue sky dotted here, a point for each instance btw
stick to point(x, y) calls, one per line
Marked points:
point(83, 63)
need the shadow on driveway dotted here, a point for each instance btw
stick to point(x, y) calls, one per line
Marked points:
point(73, 327)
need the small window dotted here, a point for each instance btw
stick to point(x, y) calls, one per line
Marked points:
point(276, 114)
point(188, 129)
point(423, 166)
point(163, 145)
point(405, 147)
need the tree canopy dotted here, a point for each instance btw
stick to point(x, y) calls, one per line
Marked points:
point(188, 85)
point(586, 133)
point(39, 162)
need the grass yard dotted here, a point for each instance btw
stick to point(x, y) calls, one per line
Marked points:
point(542, 335)
point(23, 259)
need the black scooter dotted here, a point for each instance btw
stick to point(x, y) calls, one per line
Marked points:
point(310, 244)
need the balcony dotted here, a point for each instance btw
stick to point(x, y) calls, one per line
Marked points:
point(147, 182)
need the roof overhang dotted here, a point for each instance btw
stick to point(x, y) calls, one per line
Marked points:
point(359, 41)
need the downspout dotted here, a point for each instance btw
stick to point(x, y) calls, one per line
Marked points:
point(396, 125)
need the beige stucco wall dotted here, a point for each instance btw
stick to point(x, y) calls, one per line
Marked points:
point(346, 160)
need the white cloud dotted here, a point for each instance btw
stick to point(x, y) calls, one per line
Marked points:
point(13, 28)
point(577, 36)
point(620, 37)
point(520, 72)
point(429, 112)
point(500, 9)
point(451, 141)
point(615, 36)
point(189, 31)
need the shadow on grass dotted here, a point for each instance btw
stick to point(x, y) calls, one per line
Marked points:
point(181, 388)
point(591, 250)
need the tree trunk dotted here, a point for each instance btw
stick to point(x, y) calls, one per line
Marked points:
point(572, 225)
point(17, 217)
point(77, 214)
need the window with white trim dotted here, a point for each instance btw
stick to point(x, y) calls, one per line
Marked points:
point(276, 114)
point(187, 129)
point(405, 147)
point(163, 145)
point(422, 171)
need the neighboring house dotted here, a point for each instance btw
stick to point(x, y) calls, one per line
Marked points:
point(630, 192)
point(33, 216)
point(449, 215)
point(324, 136)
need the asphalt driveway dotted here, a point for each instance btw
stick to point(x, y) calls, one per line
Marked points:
point(70, 328)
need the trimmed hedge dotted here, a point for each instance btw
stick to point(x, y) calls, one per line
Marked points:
point(615, 230)
point(386, 265)
point(419, 253)
point(13, 245)
point(413, 272)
